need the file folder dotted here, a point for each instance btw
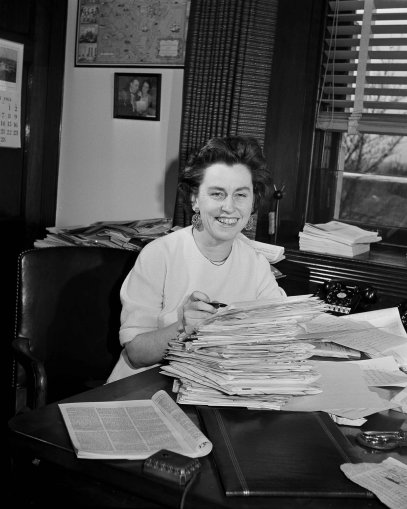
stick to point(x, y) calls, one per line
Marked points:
point(272, 453)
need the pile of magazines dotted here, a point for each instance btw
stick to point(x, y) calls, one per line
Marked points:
point(131, 235)
point(336, 238)
point(252, 354)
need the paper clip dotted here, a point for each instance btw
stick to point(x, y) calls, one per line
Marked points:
point(383, 440)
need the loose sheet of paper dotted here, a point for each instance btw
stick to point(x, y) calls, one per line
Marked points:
point(344, 393)
point(377, 333)
point(382, 372)
point(387, 480)
point(400, 399)
point(376, 343)
point(387, 319)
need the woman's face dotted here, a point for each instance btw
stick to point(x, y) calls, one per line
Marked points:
point(225, 200)
point(146, 87)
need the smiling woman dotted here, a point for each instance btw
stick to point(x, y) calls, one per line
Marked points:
point(224, 202)
point(176, 277)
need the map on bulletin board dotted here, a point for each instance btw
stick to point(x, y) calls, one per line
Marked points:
point(137, 33)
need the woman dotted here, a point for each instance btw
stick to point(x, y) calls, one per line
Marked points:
point(175, 277)
point(145, 102)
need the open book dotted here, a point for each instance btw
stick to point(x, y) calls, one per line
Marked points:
point(132, 429)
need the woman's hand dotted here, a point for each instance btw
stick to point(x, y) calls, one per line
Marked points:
point(196, 308)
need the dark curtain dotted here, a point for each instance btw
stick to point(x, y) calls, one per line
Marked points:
point(227, 74)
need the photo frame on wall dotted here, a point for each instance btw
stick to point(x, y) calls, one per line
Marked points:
point(137, 96)
point(124, 33)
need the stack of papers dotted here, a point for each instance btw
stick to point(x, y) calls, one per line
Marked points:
point(252, 354)
point(130, 235)
point(336, 238)
point(273, 253)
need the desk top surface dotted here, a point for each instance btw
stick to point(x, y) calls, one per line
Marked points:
point(42, 432)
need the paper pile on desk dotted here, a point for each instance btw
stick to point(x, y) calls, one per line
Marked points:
point(130, 235)
point(248, 354)
point(336, 238)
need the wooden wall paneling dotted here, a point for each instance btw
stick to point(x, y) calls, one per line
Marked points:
point(44, 117)
point(29, 175)
point(291, 109)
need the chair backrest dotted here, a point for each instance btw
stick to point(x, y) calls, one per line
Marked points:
point(67, 320)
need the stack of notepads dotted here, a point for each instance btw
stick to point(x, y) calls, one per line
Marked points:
point(336, 238)
point(253, 354)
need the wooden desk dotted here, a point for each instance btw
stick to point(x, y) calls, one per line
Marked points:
point(41, 434)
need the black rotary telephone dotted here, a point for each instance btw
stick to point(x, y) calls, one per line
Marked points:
point(344, 298)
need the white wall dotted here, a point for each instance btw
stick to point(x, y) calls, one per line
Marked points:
point(114, 169)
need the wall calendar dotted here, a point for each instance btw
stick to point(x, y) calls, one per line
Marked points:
point(11, 66)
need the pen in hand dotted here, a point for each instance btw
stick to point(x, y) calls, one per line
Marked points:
point(217, 305)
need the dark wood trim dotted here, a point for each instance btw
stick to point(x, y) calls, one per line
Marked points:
point(385, 270)
point(44, 115)
point(29, 175)
point(292, 102)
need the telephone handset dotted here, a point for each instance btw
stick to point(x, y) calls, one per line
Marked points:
point(344, 298)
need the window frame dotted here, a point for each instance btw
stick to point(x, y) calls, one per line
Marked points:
point(357, 117)
point(292, 145)
point(316, 214)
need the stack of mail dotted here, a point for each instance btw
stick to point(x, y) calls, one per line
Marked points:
point(336, 238)
point(252, 354)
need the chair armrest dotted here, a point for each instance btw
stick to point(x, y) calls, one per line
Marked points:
point(36, 379)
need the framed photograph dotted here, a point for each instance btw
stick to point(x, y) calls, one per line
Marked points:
point(121, 33)
point(137, 96)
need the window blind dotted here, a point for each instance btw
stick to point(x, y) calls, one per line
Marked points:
point(364, 68)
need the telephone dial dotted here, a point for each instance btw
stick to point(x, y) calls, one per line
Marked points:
point(343, 298)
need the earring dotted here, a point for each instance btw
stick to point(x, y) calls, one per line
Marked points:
point(197, 221)
point(250, 224)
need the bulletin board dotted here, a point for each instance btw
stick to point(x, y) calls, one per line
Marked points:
point(142, 33)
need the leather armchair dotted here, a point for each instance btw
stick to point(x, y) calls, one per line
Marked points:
point(67, 321)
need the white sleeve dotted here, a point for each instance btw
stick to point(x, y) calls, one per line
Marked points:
point(268, 287)
point(142, 294)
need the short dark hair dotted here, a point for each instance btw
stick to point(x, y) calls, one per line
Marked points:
point(230, 150)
